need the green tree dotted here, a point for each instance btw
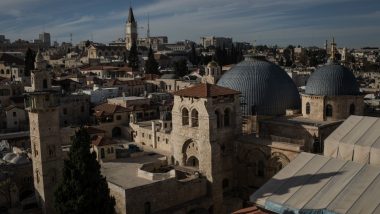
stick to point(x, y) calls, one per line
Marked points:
point(30, 57)
point(151, 65)
point(133, 57)
point(180, 67)
point(83, 189)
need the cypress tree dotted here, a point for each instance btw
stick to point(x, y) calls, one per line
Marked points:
point(83, 189)
point(133, 58)
point(151, 65)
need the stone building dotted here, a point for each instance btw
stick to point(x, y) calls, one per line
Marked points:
point(43, 108)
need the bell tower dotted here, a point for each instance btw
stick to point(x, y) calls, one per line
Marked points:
point(206, 119)
point(130, 30)
point(43, 108)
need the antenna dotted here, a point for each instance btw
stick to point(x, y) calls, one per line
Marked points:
point(148, 30)
point(71, 38)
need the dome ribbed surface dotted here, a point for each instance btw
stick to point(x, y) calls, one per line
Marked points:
point(265, 87)
point(332, 80)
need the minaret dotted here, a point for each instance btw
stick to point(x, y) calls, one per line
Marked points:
point(43, 109)
point(333, 51)
point(130, 30)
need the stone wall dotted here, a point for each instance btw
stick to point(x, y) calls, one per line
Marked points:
point(340, 105)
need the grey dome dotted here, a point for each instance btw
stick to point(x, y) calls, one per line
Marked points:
point(332, 80)
point(265, 88)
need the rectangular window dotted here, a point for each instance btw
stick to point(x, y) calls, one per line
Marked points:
point(158, 138)
point(14, 114)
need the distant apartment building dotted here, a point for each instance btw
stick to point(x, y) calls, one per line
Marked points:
point(45, 39)
point(217, 42)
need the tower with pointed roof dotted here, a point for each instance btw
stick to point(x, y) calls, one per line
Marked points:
point(43, 108)
point(130, 30)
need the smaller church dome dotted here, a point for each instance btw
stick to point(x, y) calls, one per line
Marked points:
point(332, 80)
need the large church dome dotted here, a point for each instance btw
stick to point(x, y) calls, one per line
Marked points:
point(266, 88)
point(332, 80)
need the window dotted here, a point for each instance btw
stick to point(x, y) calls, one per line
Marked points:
point(261, 167)
point(227, 117)
point(218, 125)
point(108, 150)
point(158, 139)
point(143, 135)
point(82, 109)
point(150, 136)
point(329, 110)
point(65, 111)
point(352, 109)
point(307, 108)
point(194, 118)
point(111, 149)
point(51, 150)
point(44, 84)
point(185, 117)
point(102, 155)
point(166, 141)
point(14, 114)
point(147, 208)
point(118, 117)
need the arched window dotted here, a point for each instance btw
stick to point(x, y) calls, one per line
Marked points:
point(352, 109)
point(307, 108)
point(194, 118)
point(227, 117)
point(44, 84)
point(102, 155)
point(185, 117)
point(225, 183)
point(329, 110)
point(218, 125)
point(147, 208)
point(260, 168)
point(253, 110)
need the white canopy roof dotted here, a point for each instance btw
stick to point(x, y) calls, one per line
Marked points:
point(357, 139)
point(317, 184)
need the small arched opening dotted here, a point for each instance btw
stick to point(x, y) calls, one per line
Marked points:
point(44, 84)
point(307, 108)
point(352, 109)
point(217, 114)
point(194, 118)
point(227, 117)
point(329, 110)
point(193, 162)
point(185, 117)
point(116, 132)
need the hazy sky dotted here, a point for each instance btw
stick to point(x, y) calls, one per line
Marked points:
point(354, 23)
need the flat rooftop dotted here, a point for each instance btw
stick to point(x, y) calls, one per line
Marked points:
point(303, 121)
point(123, 172)
point(128, 98)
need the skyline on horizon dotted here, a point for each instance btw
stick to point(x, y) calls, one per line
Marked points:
point(270, 22)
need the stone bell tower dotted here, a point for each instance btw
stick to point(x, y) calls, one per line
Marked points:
point(43, 108)
point(206, 119)
point(130, 30)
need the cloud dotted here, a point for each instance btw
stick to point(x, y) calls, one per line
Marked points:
point(267, 21)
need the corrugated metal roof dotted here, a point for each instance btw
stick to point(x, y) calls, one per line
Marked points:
point(318, 184)
point(357, 139)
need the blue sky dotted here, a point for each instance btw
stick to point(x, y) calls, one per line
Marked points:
point(354, 23)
